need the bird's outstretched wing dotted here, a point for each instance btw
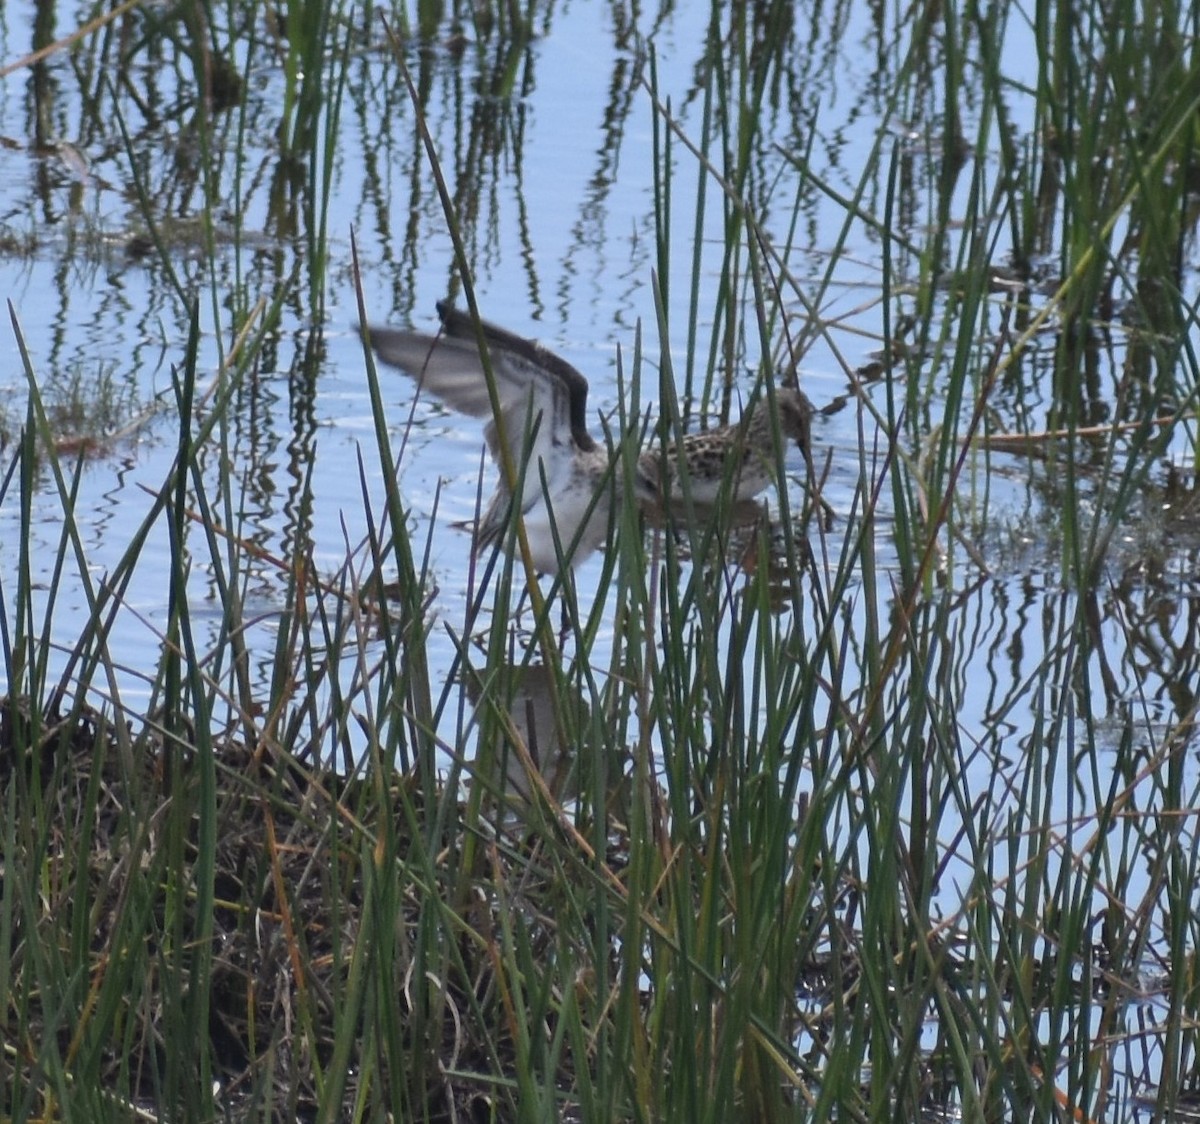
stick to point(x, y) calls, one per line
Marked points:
point(543, 399)
point(458, 325)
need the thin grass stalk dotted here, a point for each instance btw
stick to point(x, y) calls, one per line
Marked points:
point(661, 156)
point(322, 160)
point(769, 929)
point(21, 655)
point(1182, 932)
point(412, 626)
point(11, 999)
point(624, 1066)
point(71, 540)
point(429, 15)
point(190, 885)
point(406, 706)
point(385, 1043)
point(348, 1019)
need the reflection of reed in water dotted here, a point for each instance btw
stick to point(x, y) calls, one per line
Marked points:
point(523, 698)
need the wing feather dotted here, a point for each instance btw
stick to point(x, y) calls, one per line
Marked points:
point(537, 401)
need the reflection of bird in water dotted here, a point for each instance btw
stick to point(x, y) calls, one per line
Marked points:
point(767, 548)
point(526, 696)
point(569, 485)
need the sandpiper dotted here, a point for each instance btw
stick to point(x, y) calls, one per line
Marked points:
point(543, 405)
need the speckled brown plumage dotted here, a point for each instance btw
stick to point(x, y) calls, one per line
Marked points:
point(543, 426)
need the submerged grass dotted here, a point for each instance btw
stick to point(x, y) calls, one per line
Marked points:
point(785, 877)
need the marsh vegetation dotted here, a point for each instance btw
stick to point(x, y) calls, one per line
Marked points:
point(890, 815)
